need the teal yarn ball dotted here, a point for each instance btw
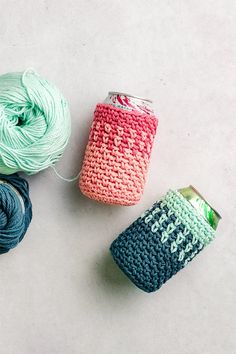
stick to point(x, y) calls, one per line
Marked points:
point(15, 211)
point(35, 123)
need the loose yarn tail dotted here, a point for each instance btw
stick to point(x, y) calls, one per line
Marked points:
point(72, 179)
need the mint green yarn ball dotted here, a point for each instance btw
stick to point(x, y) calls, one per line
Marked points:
point(35, 123)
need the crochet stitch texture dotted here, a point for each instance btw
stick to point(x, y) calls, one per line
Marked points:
point(161, 242)
point(117, 155)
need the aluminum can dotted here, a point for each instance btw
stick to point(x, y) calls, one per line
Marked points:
point(129, 102)
point(201, 205)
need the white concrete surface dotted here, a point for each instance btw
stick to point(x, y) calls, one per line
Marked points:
point(60, 291)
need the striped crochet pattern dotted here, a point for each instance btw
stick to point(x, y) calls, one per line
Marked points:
point(117, 155)
point(161, 242)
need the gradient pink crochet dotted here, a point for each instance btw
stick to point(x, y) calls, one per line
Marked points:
point(117, 155)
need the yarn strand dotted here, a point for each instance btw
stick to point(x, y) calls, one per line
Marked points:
point(72, 179)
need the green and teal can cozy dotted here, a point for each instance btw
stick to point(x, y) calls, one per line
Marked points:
point(162, 241)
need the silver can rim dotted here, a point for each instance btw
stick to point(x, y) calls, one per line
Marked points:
point(129, 95)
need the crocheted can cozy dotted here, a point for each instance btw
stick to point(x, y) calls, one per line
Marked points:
point(161, 242)
point(117, 155)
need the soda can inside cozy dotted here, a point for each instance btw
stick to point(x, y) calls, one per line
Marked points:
point(118, 152)
point(165, 238)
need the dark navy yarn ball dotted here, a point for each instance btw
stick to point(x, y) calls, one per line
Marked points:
point(15, 211)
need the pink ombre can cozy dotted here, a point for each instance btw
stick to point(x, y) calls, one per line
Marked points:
point(118, 151)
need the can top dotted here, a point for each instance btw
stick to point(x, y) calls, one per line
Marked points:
point(127, 94)
point(201, 205)
point(129, 102)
